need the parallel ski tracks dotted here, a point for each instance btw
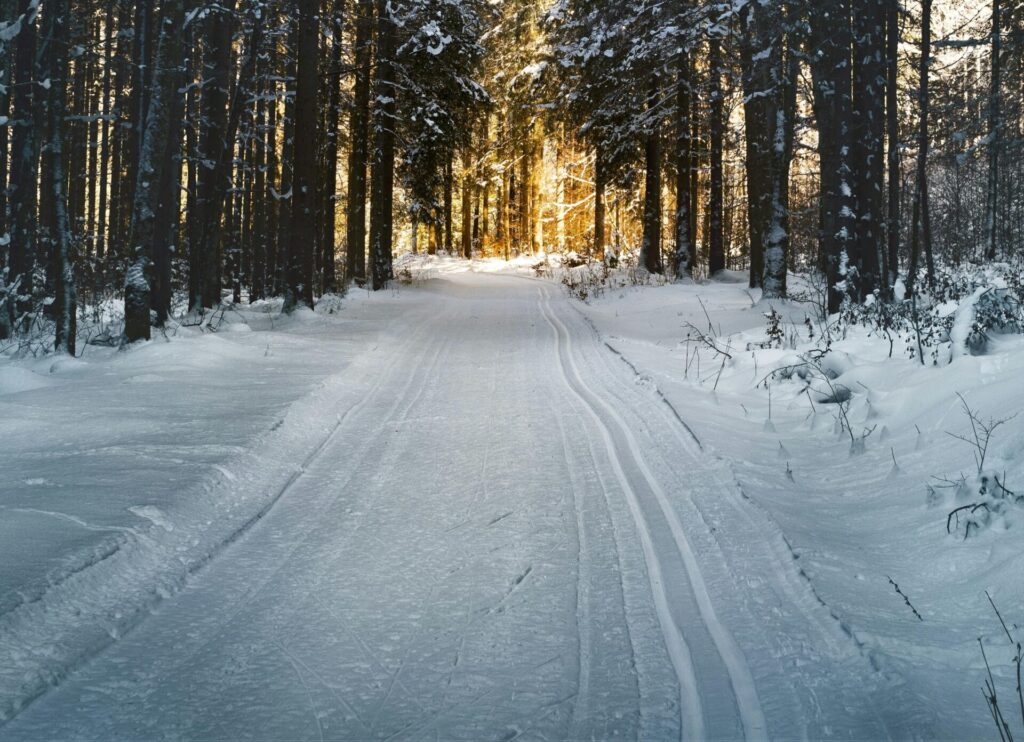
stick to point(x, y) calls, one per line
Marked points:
point(611, 425)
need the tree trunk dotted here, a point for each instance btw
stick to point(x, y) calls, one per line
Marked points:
point(893, 136)
point(716, 238)
point(260, 231)
point(467, 206)
point(148, 212)
point(868, 114)
point(55, 52)
point(760, 52)
point(205, 259)
point(684, 257)
point(920, 235)
point(381, 207)
point(23, 178)
point(449, 199)
point(299, 289)
point(359, 125)
point(650, 247)
point(599, 207)
point(994, 134)
point(782, 115)
point(330, 186)
point(8, 9)
point(831, 38)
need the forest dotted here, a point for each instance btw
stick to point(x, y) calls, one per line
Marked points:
point(167, 156)
point(511, 369)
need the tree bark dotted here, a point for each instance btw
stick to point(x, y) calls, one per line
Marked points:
point(148, 213)
point(868, 114)
point(55, 52)
point(299, 288)
point(382, 196)
point(893, 136)
point(716, 238)
point(994, 134)
point(599, 206)
point(21, 191)
point(467, 206)
point(831, 40)
point(359, 124)
point(921, 233)
point(650, 247)
point(684, 258)
point(329, 186)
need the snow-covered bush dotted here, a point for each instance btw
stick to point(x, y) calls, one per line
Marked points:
point(983, 500)
point(958, 314)
point(588, 278)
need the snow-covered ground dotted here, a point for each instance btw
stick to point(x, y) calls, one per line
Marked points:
point(475, 508)
point(853, 525)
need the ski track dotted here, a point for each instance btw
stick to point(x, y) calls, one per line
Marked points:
point(487, 544)
point(754, 724)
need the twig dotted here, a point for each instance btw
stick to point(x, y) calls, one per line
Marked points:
point(905, 598)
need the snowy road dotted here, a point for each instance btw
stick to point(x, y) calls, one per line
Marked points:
point(497, 541)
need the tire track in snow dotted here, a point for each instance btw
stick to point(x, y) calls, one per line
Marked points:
point(741, 679)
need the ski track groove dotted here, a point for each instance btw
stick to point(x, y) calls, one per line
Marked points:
point(411, 380)
point(741, 679)
point(785, 575)
point(581, 702)
point(690, 702)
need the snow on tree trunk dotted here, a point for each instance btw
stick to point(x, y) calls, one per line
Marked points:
point(684, 258)
point(382, 196)
point(24, 170)
point(146, 207)
point(55, 51)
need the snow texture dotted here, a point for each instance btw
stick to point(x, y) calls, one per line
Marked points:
point(473, 508)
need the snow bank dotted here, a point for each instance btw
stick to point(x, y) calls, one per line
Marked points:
point(125, 472)
point(851, 486)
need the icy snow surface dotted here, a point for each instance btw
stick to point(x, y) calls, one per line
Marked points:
point(455, 511)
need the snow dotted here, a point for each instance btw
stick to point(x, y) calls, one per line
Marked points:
point(472, 507)
point(842, 524)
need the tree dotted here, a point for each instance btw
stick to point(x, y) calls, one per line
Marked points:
point(359, 132)
point(21, 190)
point(770, 69)
point(716, 240)
point(892, 108)
point(150, 214)
point(921, 230)
point(685, 255)
point(994, 126)
point(54, 52)
point(299, 261)
point(650, 246)
point(215, 140)
point(868, 121)
point(830, 41)
point(383, 157)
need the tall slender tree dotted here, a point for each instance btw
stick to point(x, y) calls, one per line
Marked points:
point(384, 124)
point(299, 262)
point(359, 134)
point(149, 212)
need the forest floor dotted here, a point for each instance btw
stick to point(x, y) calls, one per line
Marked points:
point(474, 508)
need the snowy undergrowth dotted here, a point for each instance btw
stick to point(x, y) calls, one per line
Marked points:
point(124, 471)
point(859, 452)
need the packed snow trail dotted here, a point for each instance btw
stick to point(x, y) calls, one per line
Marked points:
point(495, 542)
